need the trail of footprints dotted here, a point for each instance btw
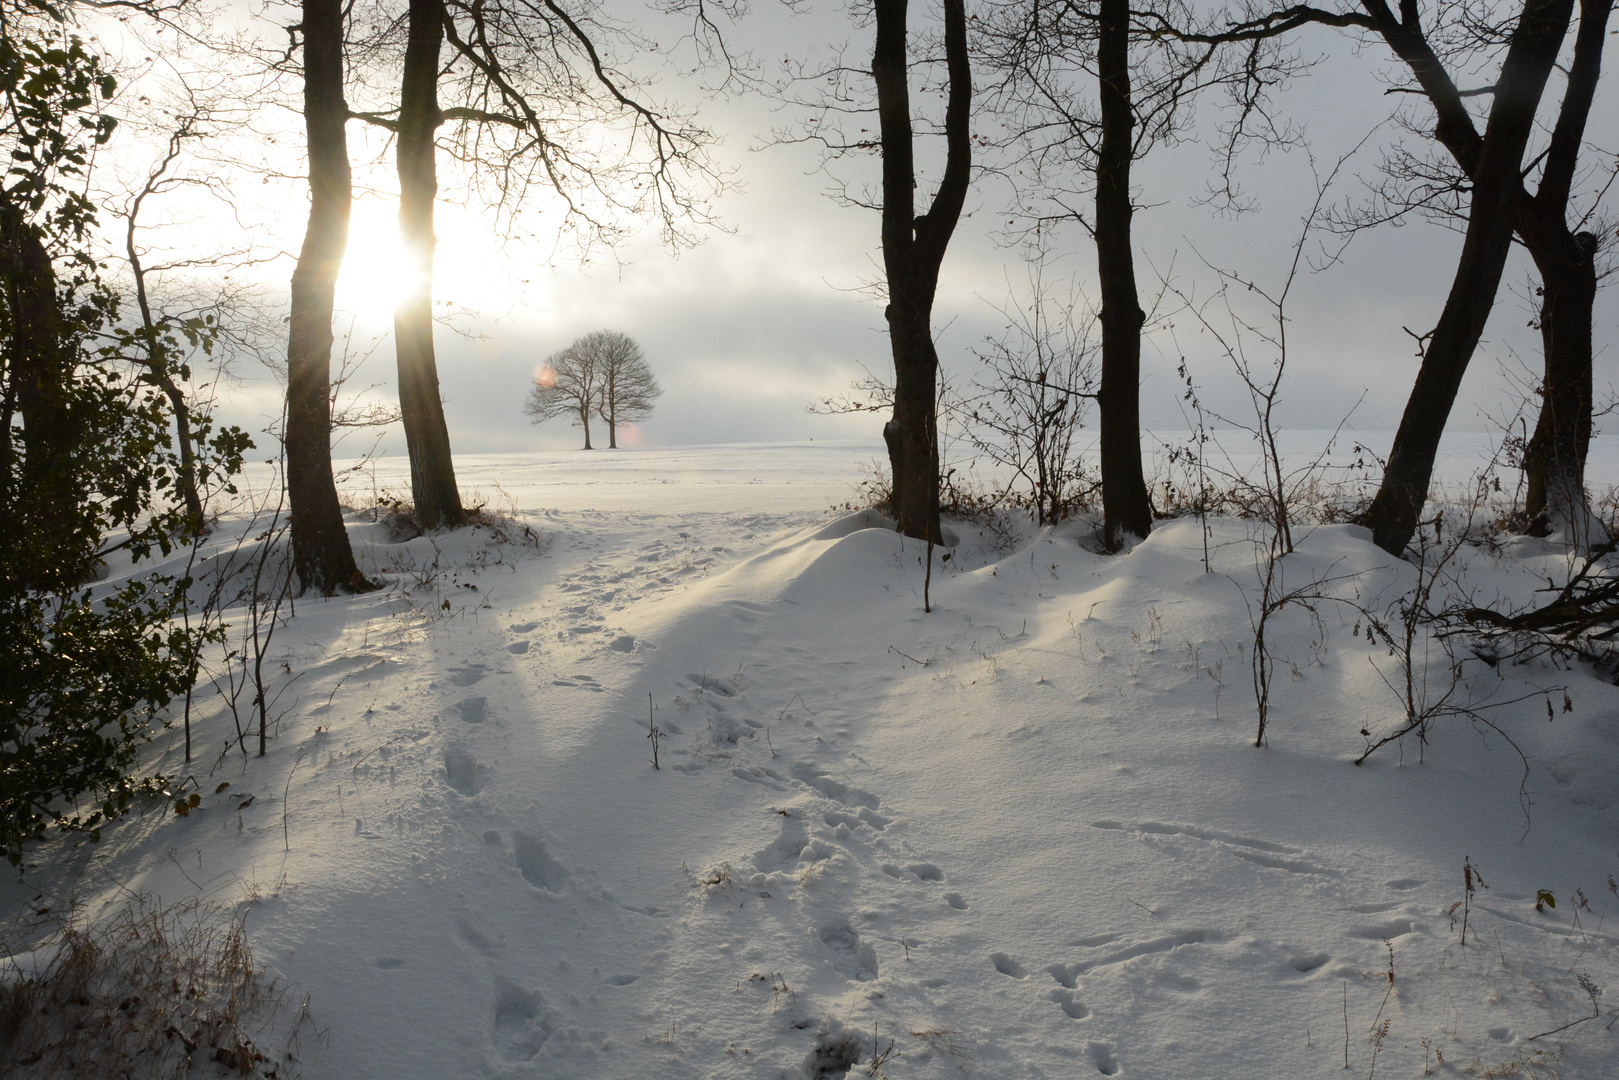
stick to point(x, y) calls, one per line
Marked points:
point(852, 821)
point(522, 1020)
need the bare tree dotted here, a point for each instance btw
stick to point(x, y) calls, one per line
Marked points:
point(1029, 401)
point(628, 387)
point(1564, 253)
point(1088, 89)
point(1497, 185)
point(320, 542)
point(933, 57)
point(913, 251)
point(1497, 205)
point(427, 436)
point(568, 384)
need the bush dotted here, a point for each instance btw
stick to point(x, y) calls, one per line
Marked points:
point(146, 994)
point(89, 466)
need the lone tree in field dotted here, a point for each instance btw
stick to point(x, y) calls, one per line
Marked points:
point(627, 387)
point(602, 373)
point(566, 385)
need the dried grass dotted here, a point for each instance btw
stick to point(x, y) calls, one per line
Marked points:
point(151, 992)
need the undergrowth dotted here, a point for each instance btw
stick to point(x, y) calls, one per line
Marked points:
point(151, 992)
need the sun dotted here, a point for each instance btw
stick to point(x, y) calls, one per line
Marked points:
point(374, 267)
point(467, 262)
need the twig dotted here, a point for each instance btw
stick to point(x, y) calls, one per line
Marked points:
point(798, 698)
point(652, 732)
point(368, 753)
point(1595, 993)
point(286, 839)
point(927, 581)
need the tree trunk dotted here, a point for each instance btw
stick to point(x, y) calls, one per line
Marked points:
point(584, 419)
point(320, 543)
point(1126, 507)
point(610, 399)
point(913, 251)
point(1554, 463)
point(42, 528)
point(1542, 225)
point(157, 364)
point(1496, 186)
point(427, 437)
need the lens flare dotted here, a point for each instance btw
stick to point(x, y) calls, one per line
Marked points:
point(544, 376)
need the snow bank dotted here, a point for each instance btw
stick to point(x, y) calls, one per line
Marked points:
point(1024, 835)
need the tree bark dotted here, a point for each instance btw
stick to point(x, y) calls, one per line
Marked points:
point(427, 437)
point(913, 251)
point(1554, 461)
point(41, 527)
point(1126, 507)
point(157, 364)
point(44, 368)
point(584, 420)
point(321, 553)
point(1496, 186)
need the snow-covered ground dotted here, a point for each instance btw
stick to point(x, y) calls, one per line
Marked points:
point(1026, 834)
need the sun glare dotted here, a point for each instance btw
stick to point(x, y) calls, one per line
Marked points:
point(376, 274)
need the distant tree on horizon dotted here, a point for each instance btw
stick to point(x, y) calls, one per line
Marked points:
point(602, 373)
point(628, 387)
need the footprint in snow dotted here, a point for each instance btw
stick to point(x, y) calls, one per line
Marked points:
point(1373, 909)
point(834, 818)
point(536, 864)
point(1304, 963)
point(782, 853)
point(524, 628)
point(1378, 931)
point(476, 938)
point(712, 684)
point(517, 648)
point(1071, 1006)
point(466, 676)
point(473, 709)
point(835, 790)
point(1008, 966)
point(850, 955)
point(523, 1022)
point(463, 773)
point(1103, 1057)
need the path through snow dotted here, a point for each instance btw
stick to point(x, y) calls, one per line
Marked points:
point(1025, 835)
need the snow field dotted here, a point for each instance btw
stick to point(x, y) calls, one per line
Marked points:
point(1025, 835)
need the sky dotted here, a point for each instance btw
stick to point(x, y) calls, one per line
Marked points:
point(772, 310)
